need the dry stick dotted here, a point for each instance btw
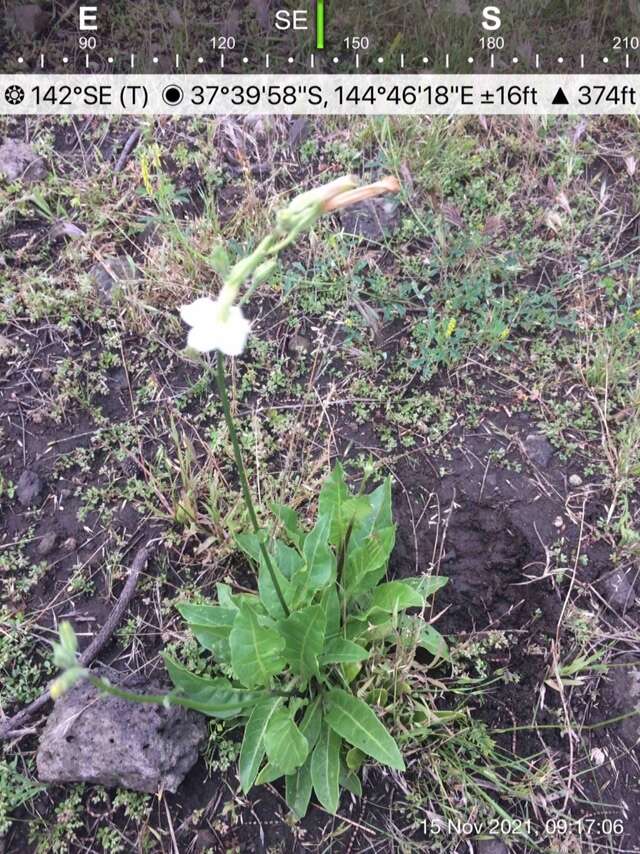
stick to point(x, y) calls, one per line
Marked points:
point(129, 145)
point(96, 645)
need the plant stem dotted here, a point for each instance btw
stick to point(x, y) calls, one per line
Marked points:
point(246, 492)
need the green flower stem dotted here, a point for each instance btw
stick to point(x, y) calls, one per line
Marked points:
point(246, 492)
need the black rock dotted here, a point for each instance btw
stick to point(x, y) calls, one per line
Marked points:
point(618, 589)
point(28, 488)
point(539, 449)
point(109, 275)
point(373, 219)
point(96, 738)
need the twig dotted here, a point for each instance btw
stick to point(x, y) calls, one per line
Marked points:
point(96, 645)
point(129, 145)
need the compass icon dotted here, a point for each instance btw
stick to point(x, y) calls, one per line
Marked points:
point(14, 94)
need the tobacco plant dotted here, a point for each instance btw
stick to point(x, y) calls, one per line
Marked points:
point(296, 651)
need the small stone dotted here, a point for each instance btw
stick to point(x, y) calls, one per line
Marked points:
point(48, 543)
point(69, 545)
point(28, 488)
point(19, 160)
point(575, 480)
point(298, 344)
point(373, 219)
point(618, 590)
point(96, 738)
point(538, 449)
point(109, 274)
point(558, 522)
point(625, 687)
point(29, 19)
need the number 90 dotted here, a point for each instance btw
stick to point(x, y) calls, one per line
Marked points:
point(87, 42)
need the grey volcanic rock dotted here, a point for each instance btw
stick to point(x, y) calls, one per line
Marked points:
point(48, 543)
point(492, 846)
point(618, 589)
point(19, 160)
point(110, 273)
point(539, 449)
point(29, 19)
point(625, 688)
point(96, 738)
point(28, 488)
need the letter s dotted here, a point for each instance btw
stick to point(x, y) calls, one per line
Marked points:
point(491, 15)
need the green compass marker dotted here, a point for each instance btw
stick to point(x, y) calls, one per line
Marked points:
point(320, 24)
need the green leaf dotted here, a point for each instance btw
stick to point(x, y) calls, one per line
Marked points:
point(352, 719)
point(303, 633)
point(298, 785)
point(267, 590)
point(298, 789)
point(286, 746)
point(341, 651)
point(268, 773)
point(319, 559)
point(366, 564)
point(355, 758)
point(325, 768)
point(331, 604)
point(289, 519)
point(288, 560)
point(214, 697)
point(379, 517)
point(350, 781)
point(333, 495)
point(374, 625)
point(396, 596)
point(256, 651)
point(426, 585)
point(253, 750)
point(211, 625)
point(250, 545)
point(433, 642)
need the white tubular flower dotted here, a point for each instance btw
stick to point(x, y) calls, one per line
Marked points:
point(215, 326)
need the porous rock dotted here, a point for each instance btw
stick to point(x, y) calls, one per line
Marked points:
point(539, 449)
point(28, 488)
point(19, 160)
point(95, 738)
point(491, 846)
point(48, 543)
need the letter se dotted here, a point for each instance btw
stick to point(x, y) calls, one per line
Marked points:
point(491, 15)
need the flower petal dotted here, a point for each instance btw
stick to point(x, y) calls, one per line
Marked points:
point(202, 310)
point(233, 333)
point(203, 338)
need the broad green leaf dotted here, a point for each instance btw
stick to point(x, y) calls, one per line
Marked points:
point(325, 768)
point(252, 750)
point(333, 494)
point(349, 780)
point(366, 564)
point(298, 789)
point(396, 596)
point(289, 519)
point(267, 590)
point(354, 721)
point(250, 545)
point(303, 633)
point(341, 651)
point(379, 517)
point(331, 605)
point(288, 560)
point(256, 651)
point(369, 627)
point(214, 697)
point(319, 559)
point(286, 746)
point(211, 625)
point(312, 721)
point(433, 642)
point(426, 585)
point(268, 773)
point(298, 785)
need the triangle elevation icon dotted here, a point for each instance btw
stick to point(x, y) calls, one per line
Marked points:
point(560, 98)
